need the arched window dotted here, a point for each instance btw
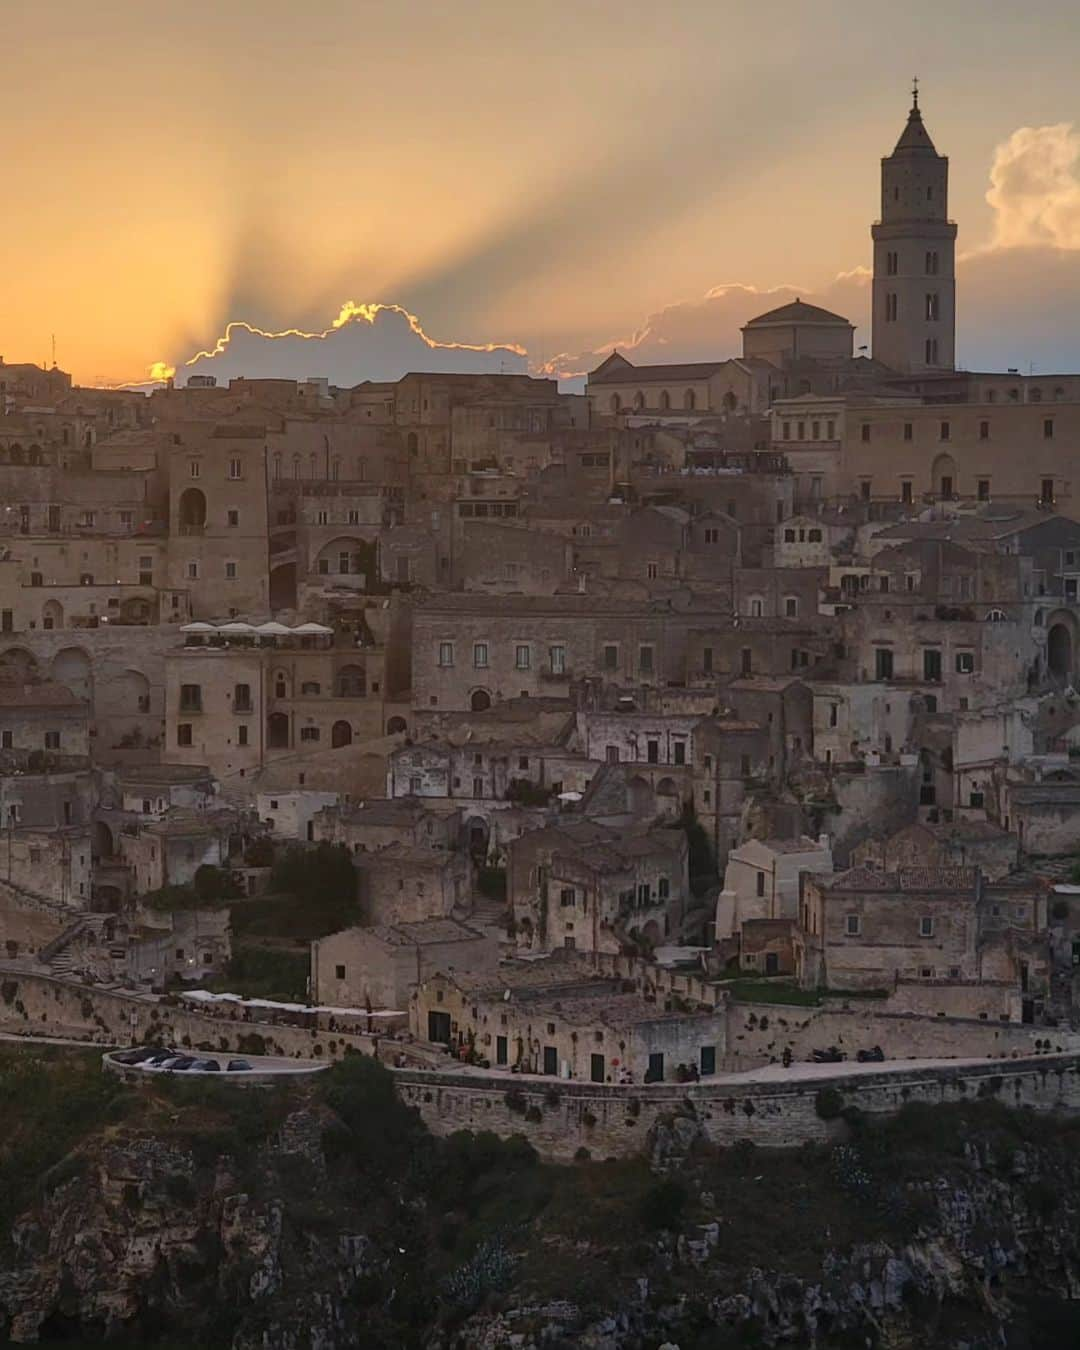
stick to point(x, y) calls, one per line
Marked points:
point(340, 735)
point(995, 616)
point(689, 400)
point(335, 468)
point(395, 725)
point(616, 403)
point(665, 401)
point(756, 607)
point(312, 465)
point(730, 402)
point(1040, 618)
point(277, 463)
point(639, 400)
point(296, 466)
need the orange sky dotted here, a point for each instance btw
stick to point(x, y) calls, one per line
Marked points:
point(544, 174)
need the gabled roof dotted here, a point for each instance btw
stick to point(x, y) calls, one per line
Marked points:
point(625, 373)
point(798, 312)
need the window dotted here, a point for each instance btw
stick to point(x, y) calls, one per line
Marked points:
point(965, 663)
point(652, 751)
point(789, 536)
point(522, 656)
point(480, 655)
point(931, 351)
point(926, 926)
point(892, 263)
point(864, 489)
point(744, 766)
point(945, 431)
point(760, 883)
point(815, 431)
point(1048, 429)
point(567, 896)
point(645, 660)
point(183, 734)
point(611, 657)
point(852, 925)
point(932, 664)
point(932, 306)
point(791, 607)
point(883, 663)
point(712, 536)
point(231, 571)
point(909, 431)
point(864, 431)
point(242, 698)
point(193, 571)
point(557, 656)
point(194, 468)
point(1046, 492)
point(787, 431)
point(52, 740)
point(191, 697)
point(242, 734)
point(309, 733)
point(707, 660)
point(800, 431)
point(931, 263)
point(679, 752)
point(446, 653)
point(235, 468)
point(814, 536)
point(652, 570)
point(892, 308)
point(982, 488)
point(905, 490)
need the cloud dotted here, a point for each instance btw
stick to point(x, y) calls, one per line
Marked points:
point(364, 342)
point(1035, 188)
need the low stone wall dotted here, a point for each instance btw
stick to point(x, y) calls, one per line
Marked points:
point(33, 1004)
point(560, 1118)
point(759, 1033)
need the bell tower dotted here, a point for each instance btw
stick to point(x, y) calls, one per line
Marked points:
point(914, 292)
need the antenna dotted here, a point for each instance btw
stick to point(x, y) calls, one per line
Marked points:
point(54, 351)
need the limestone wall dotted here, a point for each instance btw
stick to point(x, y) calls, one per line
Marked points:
point(559, 1118)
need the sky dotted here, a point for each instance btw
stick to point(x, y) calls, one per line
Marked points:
point(474, 184)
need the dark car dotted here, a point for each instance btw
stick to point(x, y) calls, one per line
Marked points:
point(238, 1065)
point(207, 1065)
point(136, 1056)
point(830, 1056)
point(874, 1056)
point(181, 1063)
point(159, 1057)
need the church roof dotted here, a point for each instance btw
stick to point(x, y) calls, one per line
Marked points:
point(915, 135)
point(798, 312)
point(628, 374)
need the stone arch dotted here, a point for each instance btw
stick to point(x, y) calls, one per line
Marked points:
point(665, 401)
point(52, 615)
point(283, 586)
point(340, 734)
point(639, 401)
point(347, 555)
point(20, 664)
point(1061, 647)
point(479, 700)
point(396, 725)
point(131, 692)
point(192, 510)
point(104, 844)
point(943, 476)
point(277, 731)
point(137, 610)
point(351, 682)
point(729, 402)
point(72, 666)
point(667, 788)
point(689, 400)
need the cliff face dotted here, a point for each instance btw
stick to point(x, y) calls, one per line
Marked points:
point(330, 1219)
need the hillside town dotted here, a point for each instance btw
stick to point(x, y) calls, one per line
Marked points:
point(498, 730)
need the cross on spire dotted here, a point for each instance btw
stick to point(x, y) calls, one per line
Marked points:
point(915, 93)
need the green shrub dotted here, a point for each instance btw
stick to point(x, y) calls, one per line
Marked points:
point(662, 1205)
point(828, 1103)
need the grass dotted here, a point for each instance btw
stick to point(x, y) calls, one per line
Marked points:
point(772, 991)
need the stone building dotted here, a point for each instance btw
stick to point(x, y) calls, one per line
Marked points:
point(555, 1018)
point(380, 967)
point(761, 880)
point(404, 883)
point(580, 885)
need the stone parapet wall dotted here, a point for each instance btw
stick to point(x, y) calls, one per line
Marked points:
point(560, 1118)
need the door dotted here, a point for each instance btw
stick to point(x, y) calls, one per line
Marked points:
point(708, 1060)
point(655, 1071)
point(596, 1068)
point(500, 1049)
point(772, 963)
point(551, 1060)
point(438, 1027)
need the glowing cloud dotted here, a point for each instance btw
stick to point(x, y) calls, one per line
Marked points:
point(1035, 188)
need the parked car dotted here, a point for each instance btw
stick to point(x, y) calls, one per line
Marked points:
point(207, 1065)
point(874, 1056)
point(238, 1065)
point(158, 1058)
point(179, 1064)
point(830, 1056)
point(137, 1056)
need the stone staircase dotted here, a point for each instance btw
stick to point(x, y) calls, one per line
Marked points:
point(67, 955)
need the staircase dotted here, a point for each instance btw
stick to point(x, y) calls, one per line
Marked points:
point(89, 930)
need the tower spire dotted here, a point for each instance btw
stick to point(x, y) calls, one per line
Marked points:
point(915, 94)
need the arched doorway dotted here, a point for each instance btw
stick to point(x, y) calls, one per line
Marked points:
point(640, 794)
point(192, 511)
point(477, 836)
point(52, 615)
point(667, 797)
point(283, 586)
point(20, 664)
point(340, 734)
point(1059, 651)
point(103, 840)
point(396, 725)
point(347, 556)
point(277, 731)
point(72, 667)
point(352, 682)
point(944, 476)
point(479, 700)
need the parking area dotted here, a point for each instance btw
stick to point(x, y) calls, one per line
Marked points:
point(147, 1061)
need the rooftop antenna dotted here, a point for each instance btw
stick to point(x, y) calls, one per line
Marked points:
point(54, 351)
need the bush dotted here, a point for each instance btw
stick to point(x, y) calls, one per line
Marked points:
point(323, 880)
point(828, 1103)
point(260, 852)
point(662, 1205)
point(215, 884)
